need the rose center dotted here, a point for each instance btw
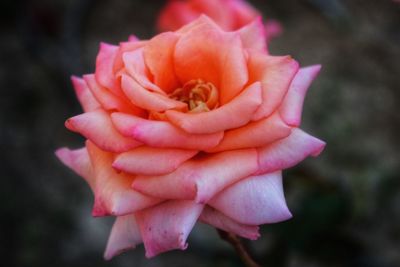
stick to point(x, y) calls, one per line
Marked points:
point(200, 96)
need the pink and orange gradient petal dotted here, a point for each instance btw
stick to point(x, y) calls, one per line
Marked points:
point(215, 218)
point(166, 226)
point(112, 191)
point(136, 67)
point(159, 58)
point(162, 134)
point(148, 100)
point(292, 104)
point(254, 134)
point(107, 99)
point(146, 160)
point(206, 52)
point(125, 235)
point(255, 200)
point(275, 73)
point(174, 15)
point(77, 160)
point(104, 73)
point(97, 127)
point(124, 47)
point(288, 152)
point(253, 36)
point(200, 179)
point(86, 99)
point(243, 12)
point(234, 114)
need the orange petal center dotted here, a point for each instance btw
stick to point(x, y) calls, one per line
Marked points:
point(200, 96)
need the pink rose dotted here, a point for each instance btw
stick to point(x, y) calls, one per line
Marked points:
point(230, 15)
point(196, 124)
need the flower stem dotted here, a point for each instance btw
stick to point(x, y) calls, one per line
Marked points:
point(239, 247)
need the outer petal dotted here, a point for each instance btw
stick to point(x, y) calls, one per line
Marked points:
point(113, 194)
point(288, 152)
point(136, 67)
point(97, 127)
point(200, 179)
point(234, 114)
point(159, 58)
point(162, 134)
point(272, 29)
point(201, 21)
point(125, 235)
point(167, 226)
point(243, 11)
point(108, 100)
point(213, 9)
point(77, 160)
point(292, 104)
point(218, 220)
point(148, 100)
point(85, 97)
point(255, 200)
point(174, 15)
point(255, 134)
point(206, 52)
point(104, 68)
point(253, 35)
point(152, 161)
point(275, 74)
point(124, 47)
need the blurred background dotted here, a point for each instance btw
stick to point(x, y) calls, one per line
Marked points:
point(346, 203)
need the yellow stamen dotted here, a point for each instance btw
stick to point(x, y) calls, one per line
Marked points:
point(199, 95)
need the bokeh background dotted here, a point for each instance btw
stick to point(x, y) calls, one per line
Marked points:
point(346, 203)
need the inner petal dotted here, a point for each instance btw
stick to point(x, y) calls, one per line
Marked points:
point(200, 96)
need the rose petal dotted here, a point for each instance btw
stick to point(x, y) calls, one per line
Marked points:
point(255, 134)
point(159, 58)
point(85, 97)
point(212, 8)
point(288, 152)
point(244, 12)
point(200, 179)
point(133, 38)
point(275, 74)
point(125, 235)
point(174, 15)
point(272, 29)
point(108, 100)
point(113, 194)
point(152, 161)
point(206, 52)
point(255, 200)
point(136, 67)
point(218, 220)
point(104, 68)
point(123, 48)
point(201, 21)
point(292, 104)
point(97, 127)
point(78, 161)
point(236, 113)
point(167, 226)
point(148, 100)
point(162, 134)
point(253, 35)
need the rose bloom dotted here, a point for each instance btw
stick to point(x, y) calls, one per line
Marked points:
point(192, 125)
point(230, 15)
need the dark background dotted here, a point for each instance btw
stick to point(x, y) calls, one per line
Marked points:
point(346, 203)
